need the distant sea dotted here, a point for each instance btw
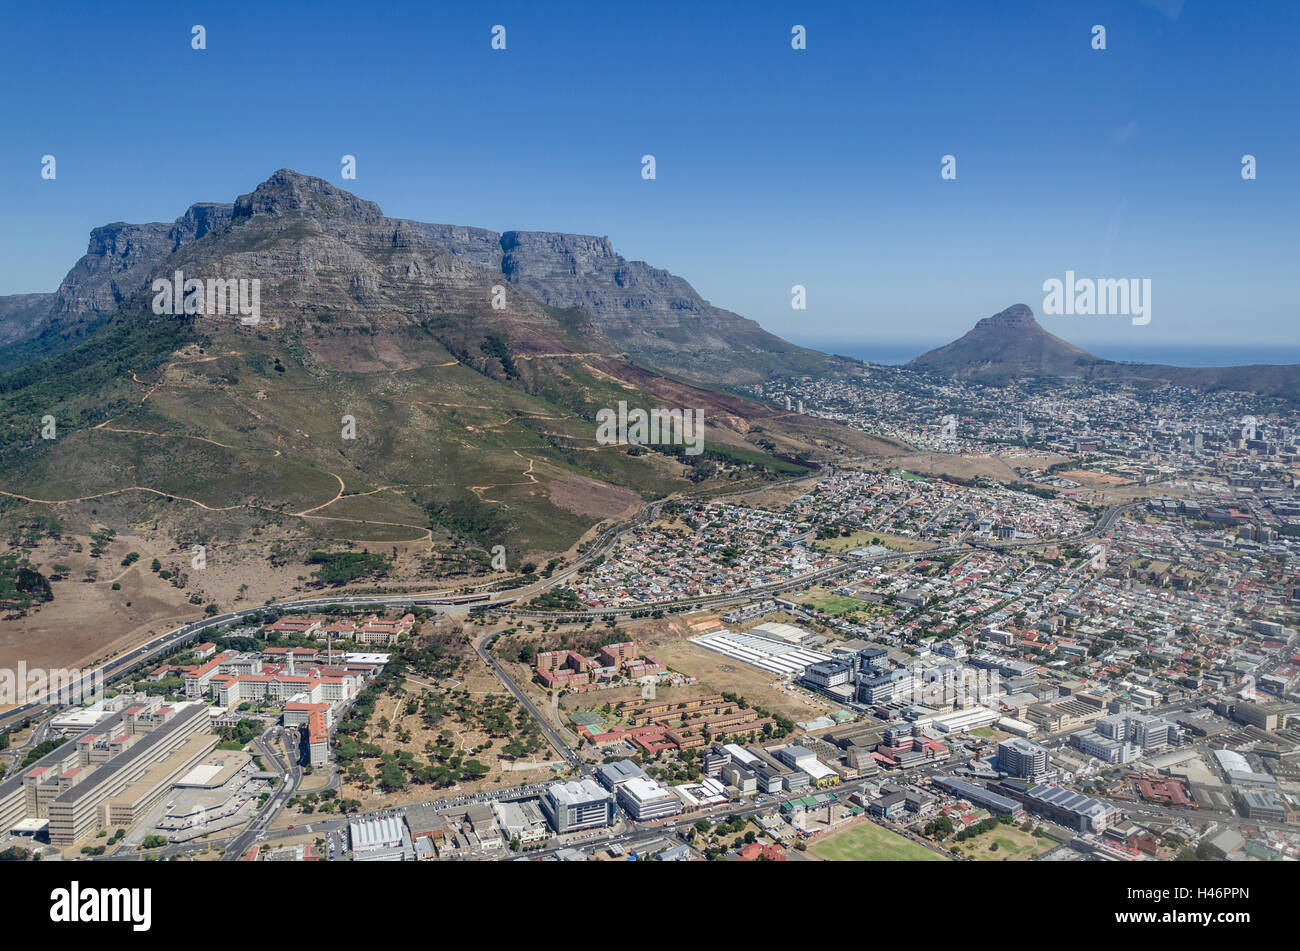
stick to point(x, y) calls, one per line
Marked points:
point(895, 352)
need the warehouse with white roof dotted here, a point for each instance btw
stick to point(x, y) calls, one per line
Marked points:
point(380, 840)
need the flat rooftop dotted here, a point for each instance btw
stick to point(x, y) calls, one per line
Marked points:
point(147, 744)
point(215, 770)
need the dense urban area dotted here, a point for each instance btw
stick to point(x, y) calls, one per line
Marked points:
point(1062, 629)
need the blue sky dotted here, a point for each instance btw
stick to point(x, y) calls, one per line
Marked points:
point(775, 167)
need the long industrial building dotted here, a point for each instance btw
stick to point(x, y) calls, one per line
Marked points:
point(775, 656)
point(1001, 805)
point(110, 774)
point(1073, 810)
point(121, 789)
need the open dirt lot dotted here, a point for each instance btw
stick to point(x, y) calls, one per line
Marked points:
point(1094, 480)
point(961, 466)
point(88, 621)
point(669, 641)
point(1031, 460)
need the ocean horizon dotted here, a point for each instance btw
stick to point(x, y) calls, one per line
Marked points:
point(898, 352)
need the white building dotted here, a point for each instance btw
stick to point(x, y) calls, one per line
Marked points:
point(644, 799)
point(379, 840)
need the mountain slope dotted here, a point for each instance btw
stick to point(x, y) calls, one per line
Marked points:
point(1008, 344)
point(1012, 344)
point(474, 424)
point(22, 316)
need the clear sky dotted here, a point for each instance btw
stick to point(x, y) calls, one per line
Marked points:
point(775, 167)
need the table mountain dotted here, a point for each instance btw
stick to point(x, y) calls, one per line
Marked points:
point(474, 423)
point(653, 316)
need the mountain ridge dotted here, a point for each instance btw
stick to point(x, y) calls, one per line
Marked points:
point(654, 316)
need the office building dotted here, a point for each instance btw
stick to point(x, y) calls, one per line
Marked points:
point(1148, 733)
point(1261, 805)
point(644, 799)
point(715, 760)
point(887, 688)
point(578, 804)
point(1116, 752)
point(1071, 809)
point(615, 774)
point(828, 673)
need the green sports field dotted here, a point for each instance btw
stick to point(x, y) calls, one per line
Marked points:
point(868, 842)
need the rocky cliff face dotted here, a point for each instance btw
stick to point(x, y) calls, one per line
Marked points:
point(467, 413)
point(123, 257)
point(22, 314)
point(477, 246)
point(287, 192)
point(338, 272)
point(645, 309)
point(655, 317)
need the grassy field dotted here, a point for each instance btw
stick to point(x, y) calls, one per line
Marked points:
point(863, 539)
point(824, 600)
point(1012, 844)
point(868, 842)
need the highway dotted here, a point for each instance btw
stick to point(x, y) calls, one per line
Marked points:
point(443, 599)
point(450, 600)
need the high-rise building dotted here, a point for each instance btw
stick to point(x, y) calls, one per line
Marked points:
point(873, 660)
point(1022, 758)
point(1140, 729)
point(829, 673)
point(886, 688)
